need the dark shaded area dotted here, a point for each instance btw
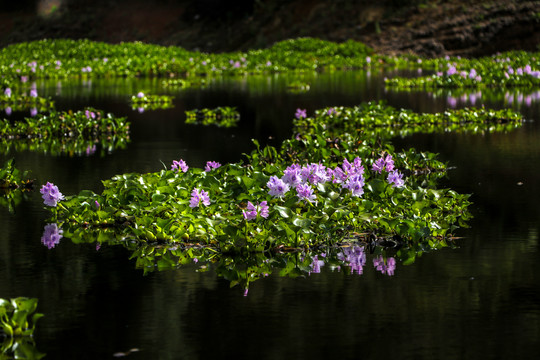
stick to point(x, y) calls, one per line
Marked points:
point(425, 27)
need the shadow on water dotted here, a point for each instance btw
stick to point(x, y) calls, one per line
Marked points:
point(480, 300)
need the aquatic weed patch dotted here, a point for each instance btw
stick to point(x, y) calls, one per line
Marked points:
point(512, 69)
point(304, 195)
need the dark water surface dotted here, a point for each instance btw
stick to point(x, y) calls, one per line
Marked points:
point(481, 300)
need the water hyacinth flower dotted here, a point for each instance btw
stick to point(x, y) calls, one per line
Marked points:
point(140, 95)
point(50, 194)
point(51, 235)
point(33, 93)
point(89, 114)
point(316, 264)
point(24, 79)
point(383, 163)
point(355, 184)
point(199, 197)
point(8, 111)
point(305, 192)
point(7, 92)
point(396, 179)
point(278, 187)
point(210, 165)
point(300, 113)
point(179, 165)
point(291, 175)
point(254, 210)
point(33, 112)
point(314, 173)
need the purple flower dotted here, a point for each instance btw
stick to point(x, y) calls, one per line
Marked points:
point(50, 194)
point(314, 173)
point(179, 165)
point(198, 197)
point(301, 113)
point(277, 187)
point(7, 92)
point(8, 111)
point(140, 95)
point(396, 178)
point(33, 112)
point(268, 63)
point(24, 79)
point(355, 184)
point(254, 210)
point(51, 235)
point(383, 163)
point(210, 165)
point(305, 192)
point(96, 203)
point(291, 175)
point(89, 114)
point(451, 70)
point(331, 111)
point(33, 93)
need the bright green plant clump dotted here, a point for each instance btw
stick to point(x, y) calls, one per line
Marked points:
point(336, 180)
point(513, 69)
point(18, 317)
point(221, 116)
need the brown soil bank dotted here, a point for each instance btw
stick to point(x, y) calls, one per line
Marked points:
point(428, 27)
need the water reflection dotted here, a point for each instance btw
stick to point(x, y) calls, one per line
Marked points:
point(52, 235)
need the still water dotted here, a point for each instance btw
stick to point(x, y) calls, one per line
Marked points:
point(480, 300)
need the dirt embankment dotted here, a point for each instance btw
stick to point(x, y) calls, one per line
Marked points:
point(431, 28)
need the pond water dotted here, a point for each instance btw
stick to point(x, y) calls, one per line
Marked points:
point(479, 300)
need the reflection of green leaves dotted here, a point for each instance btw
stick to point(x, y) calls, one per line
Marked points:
point(19, 348)
point(221, 116)
point(66, 132)
point(17, 317)
point(13, 185)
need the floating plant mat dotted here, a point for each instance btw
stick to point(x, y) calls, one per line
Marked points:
point(68, 132)
point(151, 102)
point(305, 195)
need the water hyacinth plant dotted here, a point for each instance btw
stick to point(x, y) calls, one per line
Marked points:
point(328, 184)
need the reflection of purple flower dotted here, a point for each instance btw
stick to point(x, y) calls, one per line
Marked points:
point(179, 165)
point(254, 210)
point(300, 113)
point(277, 186)
point(33, 93)
point(51, 235)
point(50, 194)
point(33, 112)
point(396, 178)
point(198, 197)
point(316, 264)
point(210, 165)
point(355, 257)
point(385, 268)
point(8, 111)
point(7, 92)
